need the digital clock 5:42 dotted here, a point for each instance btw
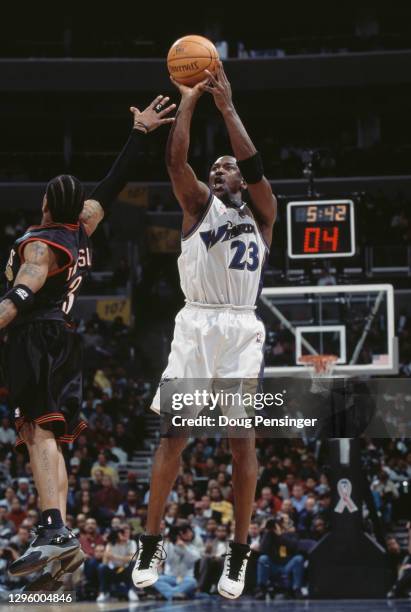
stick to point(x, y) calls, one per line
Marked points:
point(323, 228)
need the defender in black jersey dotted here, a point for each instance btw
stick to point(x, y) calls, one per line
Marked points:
point(45, 271)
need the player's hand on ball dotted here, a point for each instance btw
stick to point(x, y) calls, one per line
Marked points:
point(154, 115)
point(190, 92)
point(219, 87)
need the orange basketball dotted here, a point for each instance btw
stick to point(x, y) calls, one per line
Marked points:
point(189, 57)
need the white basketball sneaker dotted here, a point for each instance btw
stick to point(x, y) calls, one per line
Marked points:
point(150, 556)
point(231, 583)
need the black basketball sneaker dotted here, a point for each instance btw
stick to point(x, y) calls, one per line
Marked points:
point(50, 578)
point(48, 545)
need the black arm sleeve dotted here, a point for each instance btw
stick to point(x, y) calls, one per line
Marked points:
point(113, 183)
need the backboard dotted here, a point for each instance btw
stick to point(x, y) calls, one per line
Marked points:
point(353, 322)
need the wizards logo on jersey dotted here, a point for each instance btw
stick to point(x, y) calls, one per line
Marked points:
point(226, 232)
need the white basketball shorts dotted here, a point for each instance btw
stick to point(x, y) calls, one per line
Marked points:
point(213, 343)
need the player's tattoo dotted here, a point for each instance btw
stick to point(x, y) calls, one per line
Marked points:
point(30, 269)
point(38, 251)
point(7, 312)
point(45, 465)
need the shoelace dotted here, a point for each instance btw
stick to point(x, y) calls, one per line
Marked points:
point(150, 552)
point(235, 564)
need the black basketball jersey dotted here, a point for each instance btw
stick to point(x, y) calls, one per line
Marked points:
point(56, 298)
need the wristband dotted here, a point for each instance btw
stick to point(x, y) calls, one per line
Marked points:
point(21, 296)
point(252, 168)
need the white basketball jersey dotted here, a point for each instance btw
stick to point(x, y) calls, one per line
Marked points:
point(222, 257)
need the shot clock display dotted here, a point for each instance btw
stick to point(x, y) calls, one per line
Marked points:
point(320, 229)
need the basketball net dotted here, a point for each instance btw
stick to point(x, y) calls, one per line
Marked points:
point(320, 368)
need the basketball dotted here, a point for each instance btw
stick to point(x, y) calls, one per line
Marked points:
point(189, 57)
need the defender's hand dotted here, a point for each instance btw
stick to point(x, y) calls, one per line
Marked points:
point(154, 115)
point(190, 92)
point(219, 87)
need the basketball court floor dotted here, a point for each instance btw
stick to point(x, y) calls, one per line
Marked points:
point(216, 603)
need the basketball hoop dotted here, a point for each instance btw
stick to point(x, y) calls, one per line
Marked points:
point(319, 367)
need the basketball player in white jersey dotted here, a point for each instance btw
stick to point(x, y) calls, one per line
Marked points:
point(217, 334)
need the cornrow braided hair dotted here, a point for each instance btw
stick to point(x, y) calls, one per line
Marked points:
point(65, 198)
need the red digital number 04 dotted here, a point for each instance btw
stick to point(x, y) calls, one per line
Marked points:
point(317, 239)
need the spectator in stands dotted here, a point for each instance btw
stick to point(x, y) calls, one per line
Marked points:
point(115, 450)
point(384, 492)
point(85, 485)
point(306, 518)
point(33, 516)
point(9, 496)
point(268, 503)
point(80, 523)
point(85, 504)
point(187, 505)
point(288, 509)
point(91, 573)
point(323, 485)
point(20, 541)
point(298, 498)
point(107, 499)
point(254, 536)
point(178, 580)
point(222, 505)
point(102, 465)
point(7, 527)
point(116, 568)
point(102, 381)
point(23, 490)
point(91, 537)
point(123, 439)
point(324, 507)
point(319, 528)
point(210, 530)
point(278, 560)
point(7, 433)
point(17, 514)
point(208, 511)
point(100, 416)
point(130, 508)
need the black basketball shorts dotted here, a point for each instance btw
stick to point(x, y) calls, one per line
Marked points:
point(43, 365)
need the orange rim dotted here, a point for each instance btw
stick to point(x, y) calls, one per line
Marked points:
point(321, 363)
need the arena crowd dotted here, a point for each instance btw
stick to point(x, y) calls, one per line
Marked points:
point(107, 501)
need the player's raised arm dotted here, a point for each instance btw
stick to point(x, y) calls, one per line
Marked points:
point(103, 195)
point(191, 193)
point(39, 260)
point(264, 203)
